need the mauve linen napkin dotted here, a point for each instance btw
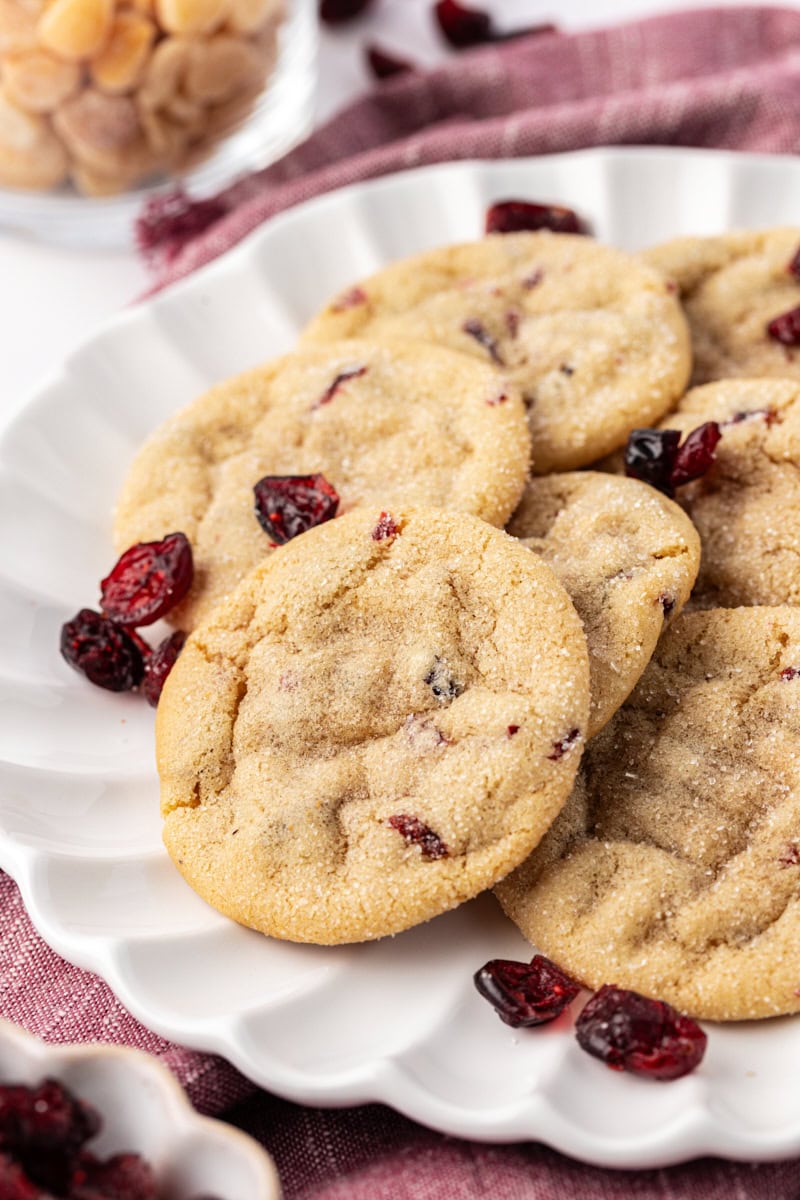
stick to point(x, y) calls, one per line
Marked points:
point(711, 78)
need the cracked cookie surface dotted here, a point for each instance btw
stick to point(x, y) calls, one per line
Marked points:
point(674, 867)
point(380, 722)
point(413, 424)
point(592, 337)
point(731, 287)
point(745, 506)
point(628, 558)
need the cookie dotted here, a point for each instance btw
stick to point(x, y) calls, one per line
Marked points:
point(628, 558)
point(412, 423)
point(731, 287)
point(674, 868)
point(380, 722)
point(591, 336)
point(744, 507)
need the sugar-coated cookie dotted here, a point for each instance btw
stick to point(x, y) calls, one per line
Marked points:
point(383, 424)
point(745, 507)
point(731, 287)
point(628, 558)
point(380, 722)
point(593, 338)
point(674, 868)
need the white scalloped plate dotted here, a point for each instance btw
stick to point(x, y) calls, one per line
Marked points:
point(397, 1021)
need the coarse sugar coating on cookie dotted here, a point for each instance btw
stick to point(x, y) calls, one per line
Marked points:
point(745, 507)
point(674, 868)
point(416, 424)
point(628, 558)
point(593, 338)
point(379, 723)
point(731, 287)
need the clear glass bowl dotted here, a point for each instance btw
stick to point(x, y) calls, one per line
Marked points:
point(280, 117)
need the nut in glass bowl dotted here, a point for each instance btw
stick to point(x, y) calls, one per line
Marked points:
point(103, 98)
point(142, 1111)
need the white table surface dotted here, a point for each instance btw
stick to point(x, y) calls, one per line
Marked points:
point(51, 298)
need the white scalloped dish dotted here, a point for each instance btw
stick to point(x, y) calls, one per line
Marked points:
point(399, 1020)
point(143, 1110)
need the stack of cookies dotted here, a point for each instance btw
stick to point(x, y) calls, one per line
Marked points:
point(466, 679)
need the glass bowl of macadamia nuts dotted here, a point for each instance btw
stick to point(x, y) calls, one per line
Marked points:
point(104, 102)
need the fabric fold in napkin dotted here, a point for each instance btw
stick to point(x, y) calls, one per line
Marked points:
point(711, 78)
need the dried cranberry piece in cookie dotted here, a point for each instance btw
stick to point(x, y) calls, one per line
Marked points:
point(416, 833)
point(159, 664)
point(786, 328)
point(287, 505)
point(695, 454)
point(103, 651)
point(334, 12)
point(650, 456)
point(526, 993)
point(384, 65)
point(633, 1033)
point(513, 216)
point(148, 580)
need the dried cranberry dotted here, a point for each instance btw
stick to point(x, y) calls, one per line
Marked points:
point(386, 529)
point(650, 456)
point(287, 505)
point(44, 1117)
point(695, 454)
point(122, 1177)
point(511, 730)
point(513, 216)
point(789, 673)
point(565, 744)
point(768, 415)
point(169, 221)
point(415, 833)
point(15, 1184)
point(384, 65)
point(332, 389)
point(786, 328)
point(463, 26)
point(526, 993)
point(656, 457)
point(790, 856)
point(103, 651)
point(632, 1033)
point(350, 299)
point(159, 664)
point(334, 12)
point(443, 685)
point(148, 580)
point(793, 267)
point(477, 330)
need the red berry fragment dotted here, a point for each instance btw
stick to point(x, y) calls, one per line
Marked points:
point(768, 415)
point(159, 664)
point(482, 336)
point(384, 65)
point(103, 651)
point(169, 221)
point(334, 12)
point(786, 328)
point(415, 833)
point(790, 856)
point(656, 457)
point(526, 993)
point(632, 1033)
point(513, 216)
point(148, 580)
point(332, 389)
point(386, 529)
point(15, 1184)
point(122, 1177)
point(695, 454)
point(511, 730)
point(793, 266)
point(350, 299)
point(789, 673)
point(287, 505)
point(565, 744)
point(463, 26)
